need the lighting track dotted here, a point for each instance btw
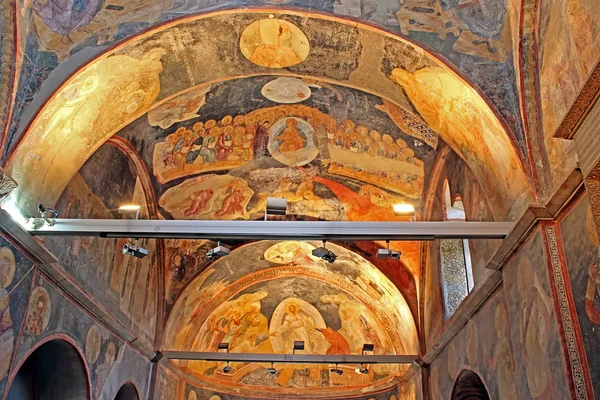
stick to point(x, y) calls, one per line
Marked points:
point(290, 358)
point(270, 230)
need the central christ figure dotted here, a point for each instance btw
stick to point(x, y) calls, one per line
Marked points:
point(290, 137)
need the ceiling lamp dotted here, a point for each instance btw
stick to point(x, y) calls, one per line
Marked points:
point(272, 370)
point(298, 345)
point(387, 253)
point(130, 209)
point(227, 368)
point(275, 206)
point(128, 248)
point(367, 347)
point(134, 250)
point(336, 370)
point(405, 209)
point(324, 254)
point(48, 213)
point(362, 369)
point(217, 252)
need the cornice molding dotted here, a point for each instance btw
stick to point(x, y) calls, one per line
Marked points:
point(582, 106)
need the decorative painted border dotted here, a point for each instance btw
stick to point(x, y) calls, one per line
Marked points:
point(530, 99)
point(8, 54)
point(582, 105)
point(568, 328)
point(592, 187)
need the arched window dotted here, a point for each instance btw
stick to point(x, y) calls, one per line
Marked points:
point(127, 392)
point(54, 371)
point(469, 386)
point(455, 258)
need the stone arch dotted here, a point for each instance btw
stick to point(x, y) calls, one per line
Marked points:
point(128, 392)
point(469, 386)
point(54, 370)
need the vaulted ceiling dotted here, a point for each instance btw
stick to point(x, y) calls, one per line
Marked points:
point(203, 109)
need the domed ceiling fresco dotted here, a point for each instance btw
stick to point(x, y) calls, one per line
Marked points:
point(266, 295)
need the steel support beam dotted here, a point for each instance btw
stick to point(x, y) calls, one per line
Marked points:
point(290, 358)
point(265, 230)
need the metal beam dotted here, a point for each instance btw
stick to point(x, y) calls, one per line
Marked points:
point(264, 230)
point(290, 358)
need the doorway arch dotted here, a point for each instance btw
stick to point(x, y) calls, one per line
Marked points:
point(127, 392)
point(469, 386)
point(53, 371)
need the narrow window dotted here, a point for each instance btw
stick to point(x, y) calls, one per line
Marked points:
point(455, 258)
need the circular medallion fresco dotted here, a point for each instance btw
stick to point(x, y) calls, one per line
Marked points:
point(274, 43)
point(7, 267)
point(286, 91)
point(291, 142)
point(92, 344)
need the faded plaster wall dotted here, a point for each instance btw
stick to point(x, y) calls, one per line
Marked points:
point(33, 310)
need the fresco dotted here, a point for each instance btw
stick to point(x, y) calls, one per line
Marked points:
point(15, 283)
point(580, 241)
point(493, 359)
point(569, 51)
point(187, 258)
point(280, 294)
point(156, 74)
point(197, 393)
point(126, 285)
point(539, 358)
point(134, 86)
point(446, 107)
point(108, 360)
point(180, 108)
point(299, 136)
point(474, 36)
point(274, 43)
point(337, 174)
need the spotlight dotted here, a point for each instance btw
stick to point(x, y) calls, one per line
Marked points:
point(298, 345)
point(227, 368)
point(134, 250)
point(223, 346)
point(387, 253)
point(404, 209)
point(368, 347)
point(336, 370)
point(130, 209)
point(324, 253)
point(219, 251)
point(45, 210)
point(275, 206)
point(362, 370)
point(272, 370)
